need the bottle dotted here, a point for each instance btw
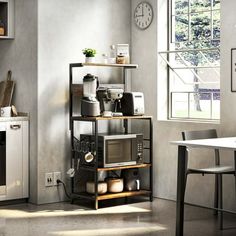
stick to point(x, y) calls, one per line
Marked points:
point(104, 58)
point(2, 30)
point(112, 57)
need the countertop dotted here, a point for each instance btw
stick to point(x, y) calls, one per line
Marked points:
point(20, 117)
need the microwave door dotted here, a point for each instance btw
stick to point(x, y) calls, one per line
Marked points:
point(118, 152)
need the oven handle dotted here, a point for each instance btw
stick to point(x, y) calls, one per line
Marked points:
point(15, 127)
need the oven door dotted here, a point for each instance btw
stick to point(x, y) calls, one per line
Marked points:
point(2, 160)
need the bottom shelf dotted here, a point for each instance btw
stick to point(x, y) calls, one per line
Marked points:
point(112, 195)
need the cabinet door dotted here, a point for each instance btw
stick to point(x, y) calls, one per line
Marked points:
point(25, 159)
point(14, 163)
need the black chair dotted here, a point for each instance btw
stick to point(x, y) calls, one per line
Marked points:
point(217, 169)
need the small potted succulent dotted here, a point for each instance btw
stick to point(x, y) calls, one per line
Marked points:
point(89, 54)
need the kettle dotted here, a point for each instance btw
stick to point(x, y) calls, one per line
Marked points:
point(131, 179)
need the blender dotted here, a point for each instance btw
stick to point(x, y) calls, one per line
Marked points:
point(89, 103)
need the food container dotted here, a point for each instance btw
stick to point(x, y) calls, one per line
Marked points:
point(120, 59)
point(115, 185)
point(102, 187)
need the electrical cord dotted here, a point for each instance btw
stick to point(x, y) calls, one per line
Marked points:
point(64, 186)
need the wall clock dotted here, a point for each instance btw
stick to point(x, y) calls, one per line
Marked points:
point(143, 15)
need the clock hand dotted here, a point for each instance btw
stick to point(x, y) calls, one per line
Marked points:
point(142, 9)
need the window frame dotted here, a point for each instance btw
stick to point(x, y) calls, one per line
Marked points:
point(171, 42)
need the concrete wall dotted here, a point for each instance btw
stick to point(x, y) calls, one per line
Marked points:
point(65, 28)
point(150, 78)
point(20, 55)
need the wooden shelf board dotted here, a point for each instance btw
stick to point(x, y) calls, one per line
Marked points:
point(111, 195)
point(145, 165)
point(128, 66)
point(92, 118)
point(92, 168)
point(6, 37)
point(122, 194)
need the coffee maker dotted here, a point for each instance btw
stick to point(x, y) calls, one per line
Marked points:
point(89, 103)
point(112, 95)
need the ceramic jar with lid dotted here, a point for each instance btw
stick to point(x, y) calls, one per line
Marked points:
point(115, 185)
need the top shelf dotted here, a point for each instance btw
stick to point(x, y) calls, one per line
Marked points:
point(81, 118)
point(127, 66)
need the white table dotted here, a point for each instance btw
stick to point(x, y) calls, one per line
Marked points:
point(214, 143)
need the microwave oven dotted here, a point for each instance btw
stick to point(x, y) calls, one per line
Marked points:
point(118, 149)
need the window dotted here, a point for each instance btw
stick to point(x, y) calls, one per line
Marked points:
point(193, 59)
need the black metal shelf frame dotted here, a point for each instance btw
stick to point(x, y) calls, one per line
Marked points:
point(95, 124)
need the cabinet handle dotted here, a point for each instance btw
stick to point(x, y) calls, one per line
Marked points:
point(15, 127)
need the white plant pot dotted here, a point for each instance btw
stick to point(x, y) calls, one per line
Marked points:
point(89, 59)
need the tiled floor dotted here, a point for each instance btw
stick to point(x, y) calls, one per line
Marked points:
point(157, 218)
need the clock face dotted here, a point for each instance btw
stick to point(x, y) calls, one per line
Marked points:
point(143, 15)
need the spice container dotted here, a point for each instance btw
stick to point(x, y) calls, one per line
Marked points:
point(2, 30)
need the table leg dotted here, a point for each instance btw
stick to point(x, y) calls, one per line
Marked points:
point(182, 160)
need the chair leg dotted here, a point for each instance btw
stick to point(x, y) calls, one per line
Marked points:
point(220, 201)
point(216, 197)
point(185, 184)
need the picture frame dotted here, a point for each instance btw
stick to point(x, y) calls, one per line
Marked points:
point(233, 69)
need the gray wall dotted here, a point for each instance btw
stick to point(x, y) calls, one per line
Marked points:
point(20, 55)
point(149, 79)
point(65, 28)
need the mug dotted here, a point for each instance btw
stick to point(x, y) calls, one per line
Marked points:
point(5, 111)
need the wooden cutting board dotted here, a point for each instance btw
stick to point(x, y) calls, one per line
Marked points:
point(6, 91)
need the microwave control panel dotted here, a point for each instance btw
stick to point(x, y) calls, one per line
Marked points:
point(139, 149)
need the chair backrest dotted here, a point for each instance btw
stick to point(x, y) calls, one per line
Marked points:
point(199, 134)
point(202, 134)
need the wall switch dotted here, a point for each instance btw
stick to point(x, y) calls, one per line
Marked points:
point(48, 179)
point(56, 176)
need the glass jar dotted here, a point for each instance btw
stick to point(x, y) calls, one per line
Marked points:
point(120, 59)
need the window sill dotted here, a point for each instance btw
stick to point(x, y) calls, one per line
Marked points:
point(196, 121)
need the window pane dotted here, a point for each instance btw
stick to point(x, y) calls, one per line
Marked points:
point(180, 28)
point(201, 26)
point(179, 6)
point(216, 24)
point(179, 105)
point(200, 105)
point(216, 106)
point(216, 4)
point(194, 82)
point(200, 5)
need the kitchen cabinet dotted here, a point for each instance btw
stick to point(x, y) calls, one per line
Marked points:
point(15, 183)
point(93, 171)
point(7, 12)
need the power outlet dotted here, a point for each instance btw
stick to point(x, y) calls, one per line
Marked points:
point(56, 176)
point(49, 179)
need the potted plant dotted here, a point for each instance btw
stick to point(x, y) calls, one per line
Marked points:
point(89, 54)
